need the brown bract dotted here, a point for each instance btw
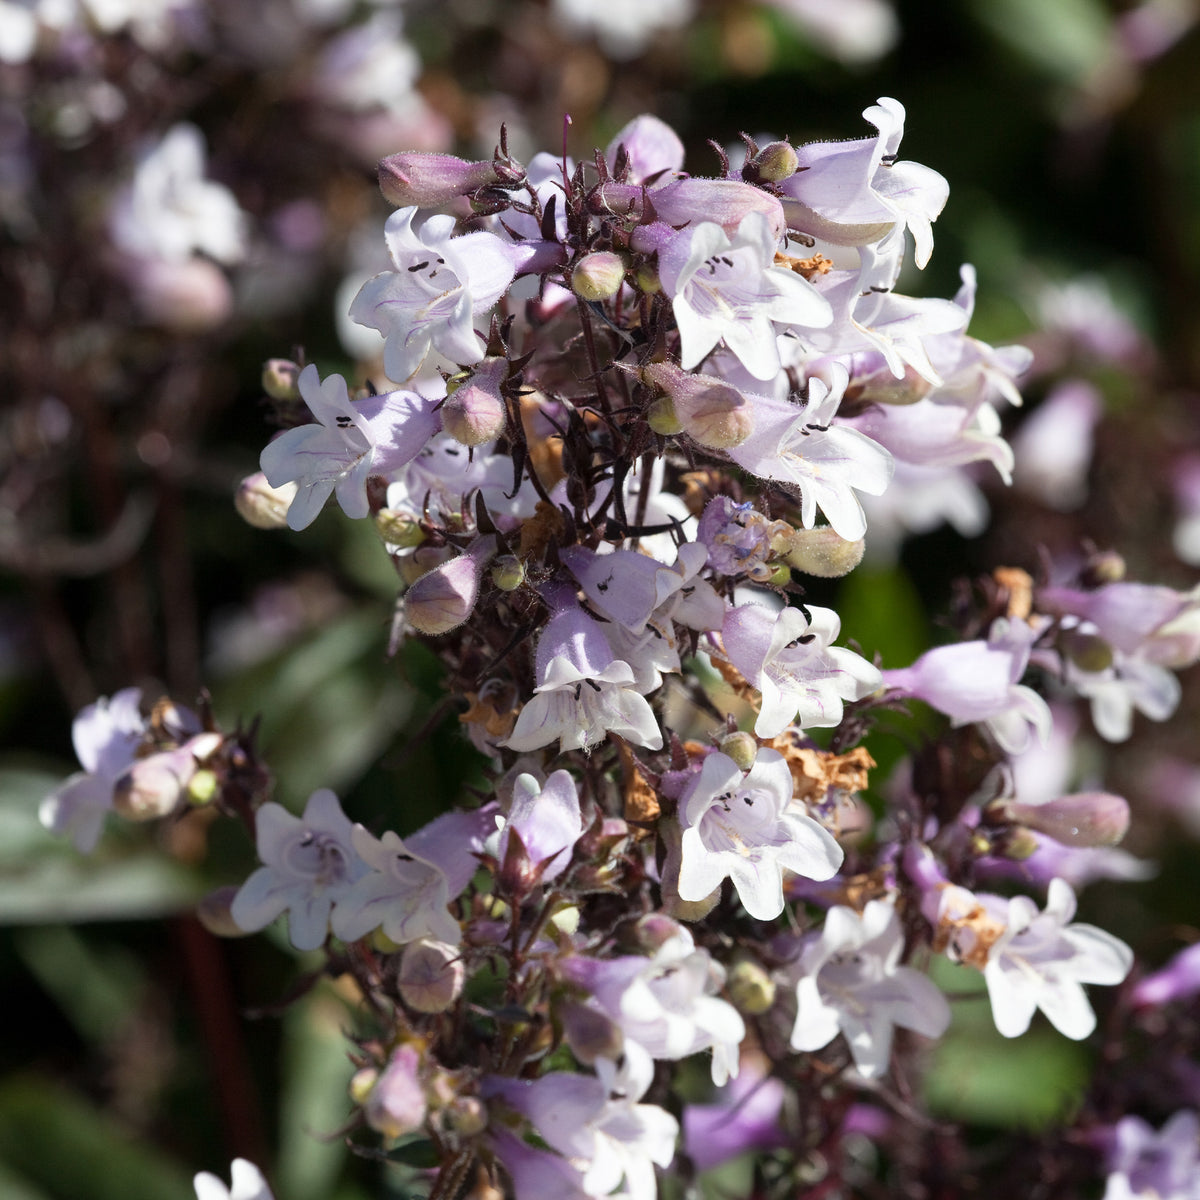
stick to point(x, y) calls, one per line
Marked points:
point(812, 267)
point(817, 772)
point(496, 724)
point(1019, 586)
point(546, 523)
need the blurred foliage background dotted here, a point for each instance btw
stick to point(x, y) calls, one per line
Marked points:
point(137, 1048)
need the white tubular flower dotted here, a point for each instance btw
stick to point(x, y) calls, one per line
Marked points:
point(171, 211)
point(851, 982)
point(827, 462)
point(726, 287)
point(440, 285)
point(246, 1183)
point(739, 826)
point(1041, 961)
point(350, 443)
point(802, 677)
point(309, 863)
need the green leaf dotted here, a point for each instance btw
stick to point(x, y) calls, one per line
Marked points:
point(72, 1151)
point(314, 1103)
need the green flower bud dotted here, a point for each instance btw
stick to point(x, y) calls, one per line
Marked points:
point(508, 572)
point(261, 505)
point(279, 377)
point(774, 163)
point(751, 989)
point(598, 276)
point(822, 553)
point(741, 747)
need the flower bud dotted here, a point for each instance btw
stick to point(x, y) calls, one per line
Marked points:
point(442, 599)
point(741, 747)
point(710, 411)
point(821, 552)
point(662, 417)
point(655, 930)
point(1084, 819)
point(261, 505)
point(598, 276)
point(154, 786)
point(398, 529)
point(727, 202)
point(474, 411)
point(279, 376)
point(1086, 650)
point(467, 1116)
point(780, 576)
point(188, 297)
point(751, 989)
point(774, 163)
point(508, 572)
point(646, 277)
point(590, 1033)
point(428, 180)
point(396, 1104)
point(203, 788)
point(215, 913)
point(431, 976)
point(361, 1083)
point(872, 382)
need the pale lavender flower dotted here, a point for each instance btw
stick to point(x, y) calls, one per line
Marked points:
point(827, 462)
point(803, 678)
point(652, 147)
point(743, 827)
point(725, 287)
point(352, 442)
point(596, 1124)
point(547, 819)
point(1145, 1165)
point(1158, 624)
point(408, 883)
point(1130, 683)
point(666, 1003)
point(738, 538)
point(1178, 980)
point(171, 212)
point(583, 693)
point(854, 193)
point(309, 864)
point(1040, 960)
point(850, 981)
point(106, 735)
point(439, 286)
point(745, 1115)
point(246, 1183)
point(978, 681)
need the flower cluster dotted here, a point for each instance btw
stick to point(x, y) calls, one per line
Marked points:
point(629, 413)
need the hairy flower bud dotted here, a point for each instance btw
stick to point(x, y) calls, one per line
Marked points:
point(279, 379)
point(396, 1104)
point(821, 552)
point(431, 976)
point(654, 930)
point(442, 599)
point(261, 505)
point(1084, 819)
point(873, 382)
point(709, 410)
point(662, 417)
point(750, 988)
point(741, 747)
point(468, 1117)
point(1088, 651)
point(598, 276)
point(474, 411)
point(428, 180)
point(398, 529)
point(772, 164)
point(508, 572)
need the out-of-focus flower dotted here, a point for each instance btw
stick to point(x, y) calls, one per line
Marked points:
point(1145, 1165)
point(106, 735)
point(246, 1183)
